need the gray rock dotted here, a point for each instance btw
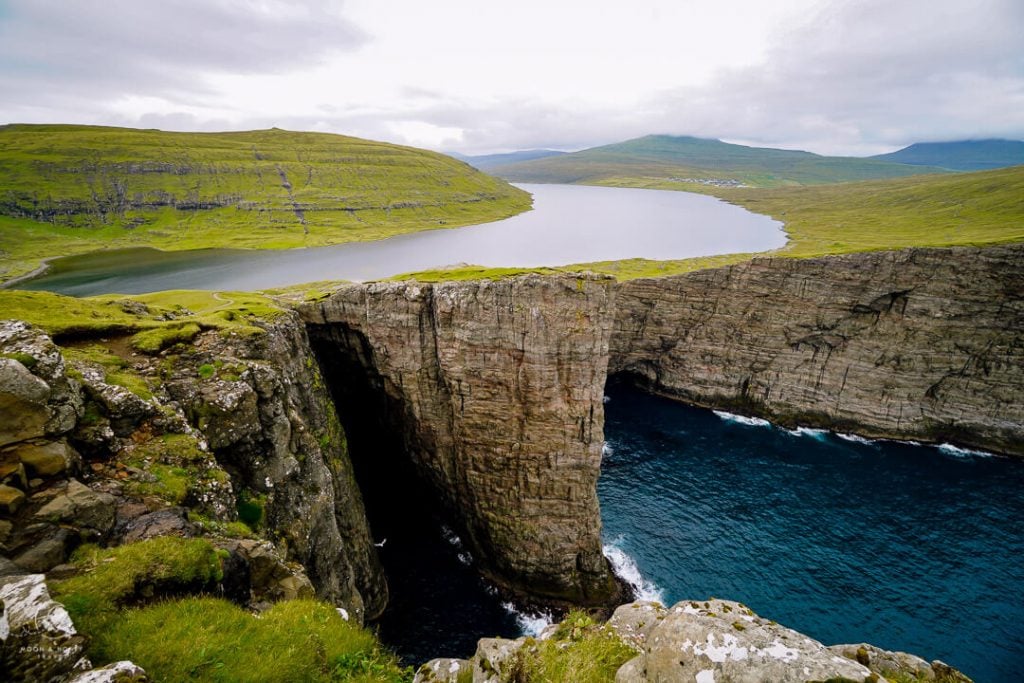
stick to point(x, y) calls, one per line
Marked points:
point(441, 671)
point(167, 522)
point(118, 672)
point(229, 413)
point(39, 641)
point(77, 504)
point(23, 396)
point(48, 551)
point(11, 500)
point(64, 403)
point(46, 459)
point(720, 640)
point(887, 663)
point(119, 403)
point(494, 659)
point(264, 576)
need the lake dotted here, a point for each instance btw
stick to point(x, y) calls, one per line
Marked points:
point(568, 224)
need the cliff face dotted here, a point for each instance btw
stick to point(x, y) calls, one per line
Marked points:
point(495, 390)
point(272, 425)
point(914, 344)
point(229, 424)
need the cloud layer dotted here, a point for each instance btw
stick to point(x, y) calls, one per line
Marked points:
point(859, 76)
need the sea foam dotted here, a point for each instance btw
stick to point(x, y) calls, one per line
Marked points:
point(742, 419)
point(626, 569)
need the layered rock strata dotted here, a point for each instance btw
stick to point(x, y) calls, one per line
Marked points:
point(496, 389)
point(923, 344)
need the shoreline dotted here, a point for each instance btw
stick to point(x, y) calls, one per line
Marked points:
point(39, 270)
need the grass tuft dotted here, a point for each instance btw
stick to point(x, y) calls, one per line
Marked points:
point(581, 651)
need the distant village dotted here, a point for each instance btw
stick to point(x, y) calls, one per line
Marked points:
point(715, 182)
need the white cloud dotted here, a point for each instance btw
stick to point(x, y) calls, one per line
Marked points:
point(857, 76)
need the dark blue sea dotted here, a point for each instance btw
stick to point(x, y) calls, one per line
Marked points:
point(911, 548)
point(907, 547)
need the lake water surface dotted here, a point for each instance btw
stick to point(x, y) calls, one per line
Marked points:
point(569, 224)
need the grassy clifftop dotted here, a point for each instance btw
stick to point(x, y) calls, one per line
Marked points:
point(685, 162)
point(70, 189)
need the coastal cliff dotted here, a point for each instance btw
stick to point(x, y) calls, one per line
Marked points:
point(231, 436)
point(921, 344)
point(496, 390)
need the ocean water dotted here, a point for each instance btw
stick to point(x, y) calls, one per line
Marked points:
point(907, 547)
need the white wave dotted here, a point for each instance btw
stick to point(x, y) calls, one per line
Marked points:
point(958, 452)
point(855, 438)
point(531, 623)
point(807, 431)
point(626, 569)
point(607, 399)
point(742, 419)
point(465, 558)
point(450, 536)
point(606, 449)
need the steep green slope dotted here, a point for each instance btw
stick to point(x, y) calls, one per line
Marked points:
point(686, 161)
point(70, 189)
point(980, 208)
point(963, 155)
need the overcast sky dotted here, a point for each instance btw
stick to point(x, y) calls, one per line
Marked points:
point(476, 76)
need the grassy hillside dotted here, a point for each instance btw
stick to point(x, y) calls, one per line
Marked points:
point(685, 162)
point(70, 189)
point(965, 155)
point(985, 207)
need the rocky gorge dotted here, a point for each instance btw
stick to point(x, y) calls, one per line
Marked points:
point(486, 397)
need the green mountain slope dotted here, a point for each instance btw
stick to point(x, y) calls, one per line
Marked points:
point(687, 161)
point(963, 155)
point(69, 189)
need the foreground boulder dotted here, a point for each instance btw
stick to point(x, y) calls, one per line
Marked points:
point(713, 641)
point(38, 641)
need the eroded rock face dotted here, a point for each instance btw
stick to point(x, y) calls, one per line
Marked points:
point(496, 388)
point(271, 424)
point(924, 344)
point(721, 640)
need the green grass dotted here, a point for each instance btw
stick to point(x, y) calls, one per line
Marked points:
point(123, 601)
point(172, 316)
point(962, 209)
point(119, 577)
point(73, 189)
point(581, 651)
point(210, 639)
point(673, 160)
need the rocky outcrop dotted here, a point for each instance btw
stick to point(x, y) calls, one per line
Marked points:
point(38, 641)
point(924, 344)
point(496, 390)
point(176, 446)
point(712, 641)
point(268, 417)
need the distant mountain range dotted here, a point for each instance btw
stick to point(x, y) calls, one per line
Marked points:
point(670, 161)
point(487, 161)
point(963, 155)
